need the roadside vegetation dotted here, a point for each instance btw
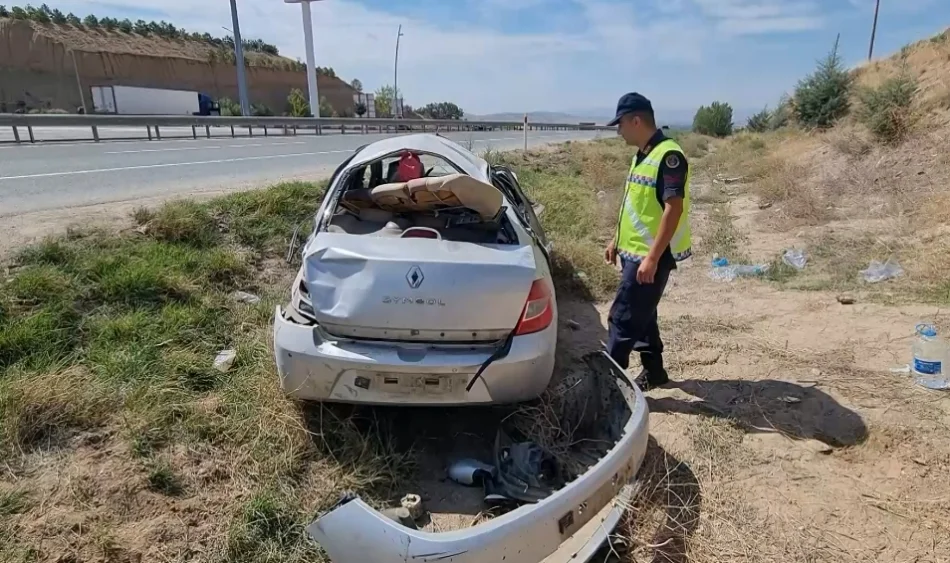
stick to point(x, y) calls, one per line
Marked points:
point(842, 173)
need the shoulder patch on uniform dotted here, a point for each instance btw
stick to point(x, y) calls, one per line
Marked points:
point(672, 160)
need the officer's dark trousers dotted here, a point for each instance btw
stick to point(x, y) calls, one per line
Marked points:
point(632, 324)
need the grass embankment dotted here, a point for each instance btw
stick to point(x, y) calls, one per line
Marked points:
point(106, 350)
point(113, 421)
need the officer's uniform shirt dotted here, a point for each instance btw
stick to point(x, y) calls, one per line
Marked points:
point(670, 182)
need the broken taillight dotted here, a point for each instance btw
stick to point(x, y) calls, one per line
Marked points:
point(538, 310)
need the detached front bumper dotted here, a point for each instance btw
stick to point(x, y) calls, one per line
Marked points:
point(568, 526)
point(315, 367)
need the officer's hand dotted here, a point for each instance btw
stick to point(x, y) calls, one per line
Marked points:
point(646, 272)
point(610, 254)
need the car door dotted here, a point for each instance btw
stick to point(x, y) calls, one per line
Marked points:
point(528, 209)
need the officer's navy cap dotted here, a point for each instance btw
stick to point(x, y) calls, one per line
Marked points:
point(629, 103)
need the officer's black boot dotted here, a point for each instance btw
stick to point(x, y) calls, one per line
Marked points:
point(653, 374)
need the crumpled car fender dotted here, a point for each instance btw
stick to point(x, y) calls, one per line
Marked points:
point(569, 525)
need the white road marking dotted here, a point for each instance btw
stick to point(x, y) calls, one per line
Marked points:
point(169, 164)
point(206, 147)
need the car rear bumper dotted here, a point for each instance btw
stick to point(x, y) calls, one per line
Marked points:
point(315, 367)
point(568, 526)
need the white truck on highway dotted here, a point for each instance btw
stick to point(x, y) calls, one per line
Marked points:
point(133, 100)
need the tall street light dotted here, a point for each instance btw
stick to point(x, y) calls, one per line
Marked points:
point(308, 45)
point(239, 61)
point(397, 107)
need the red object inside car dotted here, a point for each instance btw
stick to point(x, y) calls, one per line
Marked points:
point(410, 167)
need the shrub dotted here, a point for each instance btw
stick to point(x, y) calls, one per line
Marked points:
point(714, 120)
point(782, 113)
point(229, 107)
point(886, 110)
point(760, 122)
point(58, 17)
point(19, 13)
point(125, 26)
point(3, 12)
point(326, 110)
point(73, 19)
point(298, 104)
point(821, 98)
point(260, 110)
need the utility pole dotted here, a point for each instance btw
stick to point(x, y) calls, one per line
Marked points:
point(877, 6)
point(239, 61)
point(397, 107)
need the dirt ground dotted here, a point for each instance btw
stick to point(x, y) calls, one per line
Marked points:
point(790, 436)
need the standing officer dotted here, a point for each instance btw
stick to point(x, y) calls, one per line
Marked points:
point(652, 236)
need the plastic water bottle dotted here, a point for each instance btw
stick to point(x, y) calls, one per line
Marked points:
point(930, 355)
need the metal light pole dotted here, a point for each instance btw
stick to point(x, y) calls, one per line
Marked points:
point(397, 107)
point(313, 94)
point(877, 6)
point(239, 61)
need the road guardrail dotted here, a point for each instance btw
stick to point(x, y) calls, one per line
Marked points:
point(23, 125)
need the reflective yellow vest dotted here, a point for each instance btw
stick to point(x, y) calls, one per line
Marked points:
point(641, 211)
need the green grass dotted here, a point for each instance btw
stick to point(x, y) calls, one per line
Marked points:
point(581, 186)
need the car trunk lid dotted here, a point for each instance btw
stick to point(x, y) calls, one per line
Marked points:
point(417, 289)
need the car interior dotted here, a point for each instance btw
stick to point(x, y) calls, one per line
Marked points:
point(421, 196)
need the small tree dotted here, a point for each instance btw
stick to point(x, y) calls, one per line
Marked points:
point(141, 27)
point(886, 110)
point(58, 17)
point(821, 98)
point(109, 24)
point(326, 110)
point(19, 13)
point(782, 114)
point(357, 85)
point(73, 19)
point(384, 101)
point(39, 15)
point(715, 120)
point(125, 26)
point(441, 110)
point(3, 12)
point(361, 109)
point(299, 106)
point(759, 122)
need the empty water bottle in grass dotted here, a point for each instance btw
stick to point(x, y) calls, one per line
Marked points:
point(878, 271)
point(723, 271)
point(930, 355)
point(795, 258)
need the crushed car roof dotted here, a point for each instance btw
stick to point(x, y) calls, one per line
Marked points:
point(470, 163)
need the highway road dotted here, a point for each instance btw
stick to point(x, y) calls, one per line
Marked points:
point(72, 174)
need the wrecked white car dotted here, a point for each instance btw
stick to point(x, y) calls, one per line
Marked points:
point(537, 497)
point(425, 281)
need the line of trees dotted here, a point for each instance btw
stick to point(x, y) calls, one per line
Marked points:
point(43, 14)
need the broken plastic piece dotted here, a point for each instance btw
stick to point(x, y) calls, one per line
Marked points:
point(412, 503)
point(400, 515)
point(224, 360)
point(245, 297)
point(471, 472)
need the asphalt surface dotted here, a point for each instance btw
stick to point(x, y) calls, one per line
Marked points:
point(72, 174)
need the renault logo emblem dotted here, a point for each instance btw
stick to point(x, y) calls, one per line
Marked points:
point(415, 277)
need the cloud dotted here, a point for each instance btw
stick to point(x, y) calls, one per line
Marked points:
point(744, 17)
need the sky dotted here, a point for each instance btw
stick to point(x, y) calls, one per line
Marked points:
point(574, 56)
